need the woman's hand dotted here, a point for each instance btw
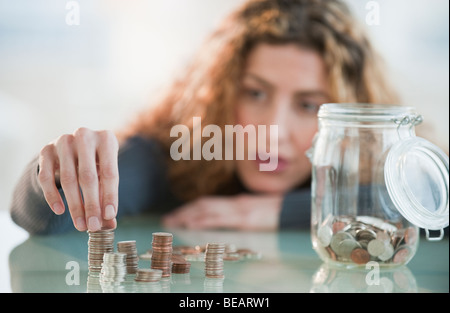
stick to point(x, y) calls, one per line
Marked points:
point(243, 212)
point(85, 163)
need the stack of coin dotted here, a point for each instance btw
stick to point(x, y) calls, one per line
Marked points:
point(148, 275)
point(99, 242)
point(214, 260)
point(114, 269)
point(180, 265)
point(162, 252)
point(129, 248)
point(197, 253)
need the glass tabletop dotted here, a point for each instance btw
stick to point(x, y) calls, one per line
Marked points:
point(281, 262)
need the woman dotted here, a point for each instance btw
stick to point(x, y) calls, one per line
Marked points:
point(271, 62)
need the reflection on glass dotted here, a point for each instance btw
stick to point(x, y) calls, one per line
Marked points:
point(181, 279)
point(147, 287)
point(329, 279)
point(214, 285)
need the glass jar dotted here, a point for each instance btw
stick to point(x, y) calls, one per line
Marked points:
point(374, 183)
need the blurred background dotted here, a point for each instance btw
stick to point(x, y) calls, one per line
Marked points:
point(56, 77)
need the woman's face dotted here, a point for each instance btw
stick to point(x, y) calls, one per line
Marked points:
point(282, 85)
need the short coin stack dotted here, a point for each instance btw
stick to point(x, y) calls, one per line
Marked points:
point(162, 252)
point(99, 242)
point(214, 260)
point(148, 275)
point(129, 248)
point(180, 265)
point(114, 269)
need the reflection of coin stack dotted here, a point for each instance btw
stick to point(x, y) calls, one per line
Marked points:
point(93, 284)
point(213, 285)
point(99, 242)
point(114, 268)
point(214, 260)
point(148, 287)
point(148, 275)
point(162, 252)
point(129, 248)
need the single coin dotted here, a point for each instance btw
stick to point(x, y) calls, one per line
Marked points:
point(401, 255)
point(324, 234)
point(338, 226)
point(338, 238)
point(410, 235)
point(346, 247)
point(376, 247)
point(365, 234)
point(360, 256)
point(388, 252)
point(383, 236)
point(331, 253)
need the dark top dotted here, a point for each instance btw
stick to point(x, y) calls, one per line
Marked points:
point(143, 187)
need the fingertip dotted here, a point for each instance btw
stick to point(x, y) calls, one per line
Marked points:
point(58, 208)
point(80, 224)
point(110, 212)
point(93, 223)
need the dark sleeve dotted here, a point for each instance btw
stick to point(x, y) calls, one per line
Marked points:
point(296, 210)
point(142, 184)
point(29, 209)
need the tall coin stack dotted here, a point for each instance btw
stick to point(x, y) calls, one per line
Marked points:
point(114, 269)
point(214, 260)
point(129, 248)
point(99, 242)
point(162, 252)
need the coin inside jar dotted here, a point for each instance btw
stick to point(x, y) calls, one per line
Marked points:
point(325, 233)
point(388, 252)
point(346, 247)
point(360, 256)
point(366, 235)
point(402, 254)
point(410, 235)
point(338, 238)
point(376, 247)
point(338, 226)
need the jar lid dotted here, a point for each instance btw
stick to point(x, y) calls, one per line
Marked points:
point(416, 174)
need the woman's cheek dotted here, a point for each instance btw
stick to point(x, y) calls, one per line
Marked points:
point(304, 136)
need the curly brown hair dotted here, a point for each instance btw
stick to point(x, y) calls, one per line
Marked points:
point(210, 84)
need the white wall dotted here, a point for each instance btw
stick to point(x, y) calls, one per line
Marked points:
point(413, 37)
point(55, 77)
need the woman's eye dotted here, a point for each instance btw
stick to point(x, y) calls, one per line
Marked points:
point(309, 107)
point(255, 94)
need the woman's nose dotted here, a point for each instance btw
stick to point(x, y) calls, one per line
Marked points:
point(281, 117)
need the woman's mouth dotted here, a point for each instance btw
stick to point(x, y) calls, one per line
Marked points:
point(278, 164)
